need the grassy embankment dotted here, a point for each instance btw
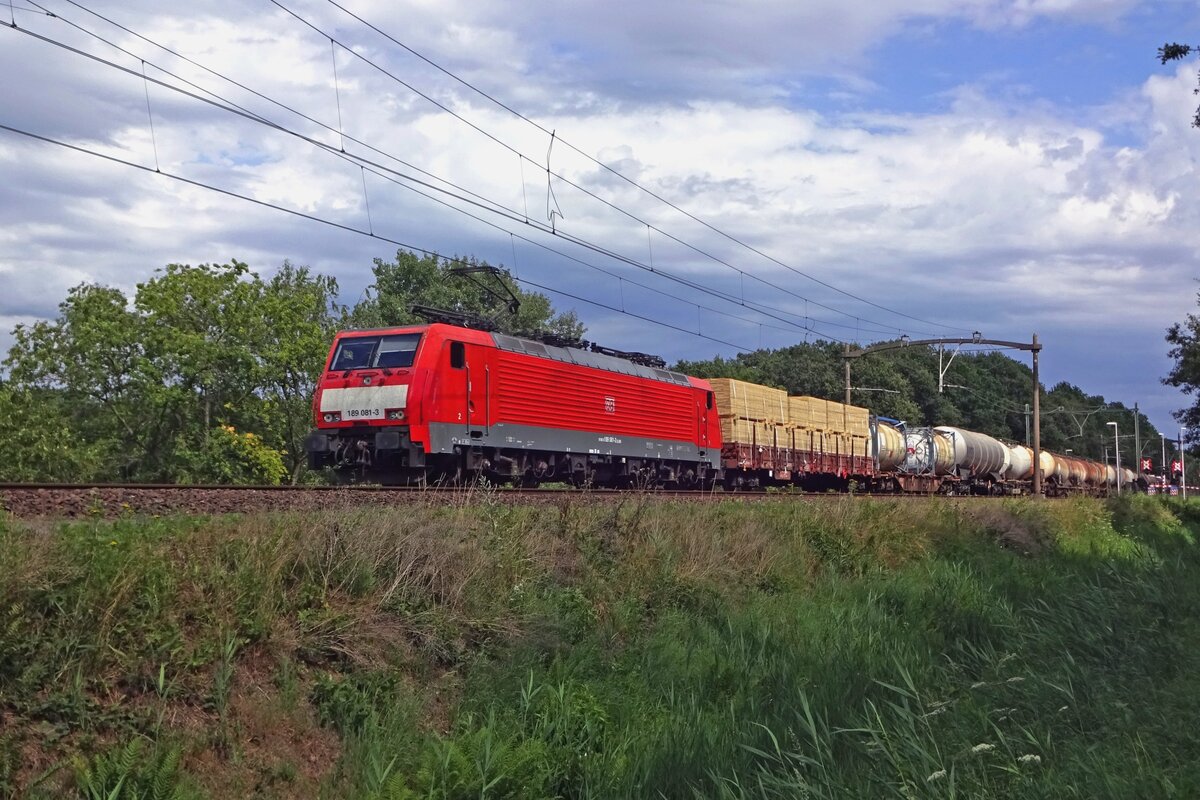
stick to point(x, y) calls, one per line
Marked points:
point(854, 649)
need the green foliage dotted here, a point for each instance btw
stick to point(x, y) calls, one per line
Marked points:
point(126, 773)
point(140, 389)
point(227, 456)
point(856, 648)
point(147, 387)
point(1184, 339)
point(426, 280)
point(32, 422)
point(1173, 51)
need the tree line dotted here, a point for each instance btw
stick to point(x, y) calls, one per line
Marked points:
point(206, 373)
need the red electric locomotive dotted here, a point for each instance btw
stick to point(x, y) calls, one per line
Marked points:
point(441, 402)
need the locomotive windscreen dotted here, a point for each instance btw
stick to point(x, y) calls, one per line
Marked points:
point(376, 352)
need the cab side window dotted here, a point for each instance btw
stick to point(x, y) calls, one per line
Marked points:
point(458, 355)
point(709, 400)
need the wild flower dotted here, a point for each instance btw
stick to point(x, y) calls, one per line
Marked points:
point(1015, 679)
point(936, 776)
point(1030, 758)
point(1064, 708)
point(979, 685)
point(983, 747)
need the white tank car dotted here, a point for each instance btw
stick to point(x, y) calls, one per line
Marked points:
point(889, 447)
point(1020, 463)
point(977, 454)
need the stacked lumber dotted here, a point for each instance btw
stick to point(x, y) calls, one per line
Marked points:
point(829, 415)
point(851, 420)
point(754, 414)
point(807, 412)
point(751, 401)
point(749, 431)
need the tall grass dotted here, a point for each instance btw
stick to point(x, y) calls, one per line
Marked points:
point(860, 648)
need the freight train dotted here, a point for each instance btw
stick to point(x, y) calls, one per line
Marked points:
point(445, 403)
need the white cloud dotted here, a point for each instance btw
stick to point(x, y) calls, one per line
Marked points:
point(1023, 216)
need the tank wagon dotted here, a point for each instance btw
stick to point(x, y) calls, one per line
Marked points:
point(441, 402)
point(956, 461)
point(910, 459)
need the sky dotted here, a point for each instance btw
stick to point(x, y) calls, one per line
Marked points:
point(730, 175)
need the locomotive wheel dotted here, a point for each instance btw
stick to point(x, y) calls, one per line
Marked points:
point(644, 480)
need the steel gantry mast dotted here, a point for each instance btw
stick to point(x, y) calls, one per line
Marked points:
point(1034, 347)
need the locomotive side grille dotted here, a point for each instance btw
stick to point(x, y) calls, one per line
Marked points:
point(580, 400)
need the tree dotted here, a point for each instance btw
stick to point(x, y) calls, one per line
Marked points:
point(427, 280)
point(32, 426)
point(201, 325)
point(299, 315)
point(207, 375)
point(1185, 372)
point(1173, 51)
point(93, 362)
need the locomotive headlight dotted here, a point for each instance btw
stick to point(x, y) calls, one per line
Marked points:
point(395, 413)
point(333, 416)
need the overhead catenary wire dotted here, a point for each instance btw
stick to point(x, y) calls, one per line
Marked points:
point(755, 306)
point(228, 106)
point(339, 226)
point(887, 330)
point(623, 177)
point(379, 170)
point(443, 107)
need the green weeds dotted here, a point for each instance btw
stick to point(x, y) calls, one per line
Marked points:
point(858, 648)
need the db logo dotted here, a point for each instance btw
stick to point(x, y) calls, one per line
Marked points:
point(610, 405)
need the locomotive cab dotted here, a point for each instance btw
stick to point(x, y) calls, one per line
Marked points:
point(366, 402)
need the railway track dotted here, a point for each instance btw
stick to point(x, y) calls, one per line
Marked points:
point(108, 500)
